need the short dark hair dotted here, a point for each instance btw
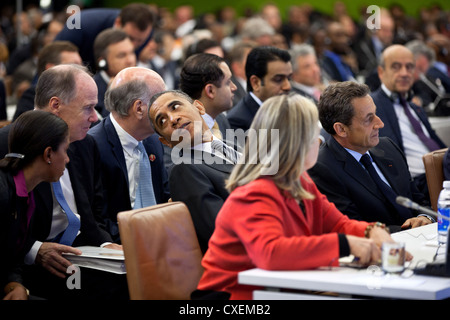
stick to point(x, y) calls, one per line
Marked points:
point(51, 53)
point(199, 70)
point(258, 59)
point(335, 103)
point(139, 14)
point(30, 134)
point(106, 38)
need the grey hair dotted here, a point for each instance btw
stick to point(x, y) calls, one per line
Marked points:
point(120, 99)
point(58, 81)
point(300, 50)
point(418, 47)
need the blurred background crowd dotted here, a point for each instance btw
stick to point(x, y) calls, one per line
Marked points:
point(186, 29)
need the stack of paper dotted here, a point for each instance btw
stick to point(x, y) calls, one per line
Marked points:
point(105, 259)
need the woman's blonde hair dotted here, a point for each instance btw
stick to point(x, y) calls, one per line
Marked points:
point(294, 119)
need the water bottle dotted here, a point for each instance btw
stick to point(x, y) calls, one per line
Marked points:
point(443, 210)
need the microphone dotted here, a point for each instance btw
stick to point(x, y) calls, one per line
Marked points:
point(405, 202)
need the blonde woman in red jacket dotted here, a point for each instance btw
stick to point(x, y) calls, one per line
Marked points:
point(275, 218)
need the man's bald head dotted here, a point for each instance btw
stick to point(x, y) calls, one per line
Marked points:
point(131, 84)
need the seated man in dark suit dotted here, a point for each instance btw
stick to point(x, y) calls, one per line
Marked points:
point(113, 51)
point(207, 78)
point(81, 189)
point(198, 174)
point(118, 136)
point(268, 71)
point(306, 76)
point(52, 54)
point(136, 19)
point(404, 122)
point(348, 114)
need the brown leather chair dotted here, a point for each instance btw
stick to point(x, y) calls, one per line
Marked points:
point(162, 254)
point(435, 174)
point(4, 123)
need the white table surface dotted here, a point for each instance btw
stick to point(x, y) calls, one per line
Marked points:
point(370, 282)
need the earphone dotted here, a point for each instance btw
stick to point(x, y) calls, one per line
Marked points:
point(102, 64)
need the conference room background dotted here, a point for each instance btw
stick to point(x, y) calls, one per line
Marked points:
point(354, 7)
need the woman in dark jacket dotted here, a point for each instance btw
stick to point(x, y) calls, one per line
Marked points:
point(38, 143)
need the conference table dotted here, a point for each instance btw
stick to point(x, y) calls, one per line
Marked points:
point(345, 282)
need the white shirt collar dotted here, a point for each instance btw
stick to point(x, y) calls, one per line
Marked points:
point(256, 98)
point(129, 143)
point(208, 119)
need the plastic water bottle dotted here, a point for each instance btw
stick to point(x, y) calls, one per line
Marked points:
point(443, 210)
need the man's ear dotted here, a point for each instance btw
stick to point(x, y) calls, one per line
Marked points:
point(255, 82)
point(139, 109)
point(199, 105)
point(380, 71)
point(340, 129)
point(210, 90)
point(117, 23)
point(165, 142)
point(54, 105)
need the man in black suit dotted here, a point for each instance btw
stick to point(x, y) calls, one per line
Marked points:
point(113, 51)
point(198, 175)
point(268, 71)
point(136, 19)
point(117, 137)
point(69, 92)
point(207, 78)
point(404, 122)
point(348, 114)
point(306, 76)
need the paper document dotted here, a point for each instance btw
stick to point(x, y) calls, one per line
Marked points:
point(104, 259)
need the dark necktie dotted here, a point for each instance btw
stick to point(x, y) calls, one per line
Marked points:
point(72, 229)
point(387, 191)
point(429, 143)
point(227, 151)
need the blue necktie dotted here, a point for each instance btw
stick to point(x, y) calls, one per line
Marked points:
point(387, 191)
point(72, 229)
point(145, 196)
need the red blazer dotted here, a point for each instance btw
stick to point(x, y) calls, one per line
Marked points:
point(260, 226)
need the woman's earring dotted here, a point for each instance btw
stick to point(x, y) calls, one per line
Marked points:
point(49, 162)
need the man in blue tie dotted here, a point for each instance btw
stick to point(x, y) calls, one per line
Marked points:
point(361, 173)
point(132, 160)
point(404, 122)
point(68, 213)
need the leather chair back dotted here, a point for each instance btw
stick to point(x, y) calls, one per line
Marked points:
point(434, 172)
point(162, 254)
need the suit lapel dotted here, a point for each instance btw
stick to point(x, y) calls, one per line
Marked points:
point(353, 168)
point(391, 116)
point(117, 150)
point(387, 167)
